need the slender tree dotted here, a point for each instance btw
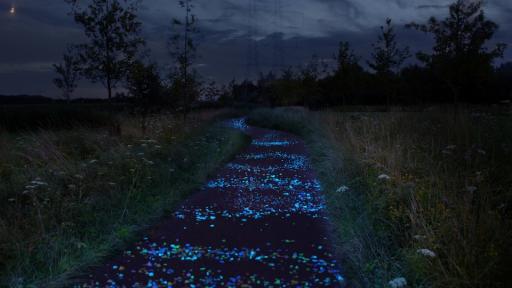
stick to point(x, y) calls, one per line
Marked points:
point(347, 71)
point(460, 57)
point(183, 49)
point(144, 84)
point(387, 58)
point(112, 30)
point(68, 74)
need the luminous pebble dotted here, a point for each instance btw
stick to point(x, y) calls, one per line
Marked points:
point(322, 272)
point(274, 143)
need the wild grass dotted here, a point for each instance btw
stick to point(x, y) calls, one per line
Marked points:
point(15, 118)
point(424, 196)
point(69, 198)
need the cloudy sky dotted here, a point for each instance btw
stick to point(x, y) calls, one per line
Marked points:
point(237, 38)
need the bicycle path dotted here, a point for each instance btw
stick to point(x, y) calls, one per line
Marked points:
point(260, 222)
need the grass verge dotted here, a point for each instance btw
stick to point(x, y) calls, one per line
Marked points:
point(419, 196)
point(69, 198)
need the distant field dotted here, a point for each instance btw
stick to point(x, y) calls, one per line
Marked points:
point(57, 116)
point(426, 196)
point(72, 194)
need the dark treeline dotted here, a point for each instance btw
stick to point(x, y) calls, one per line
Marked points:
point(460, 67)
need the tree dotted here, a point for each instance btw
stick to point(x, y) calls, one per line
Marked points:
point(112, 29)
point(144, 84)
point(460, 57)
point(387, 59)
point(211, 92)
point(309, 75)
point(347, 71)
point(68, 74)
point(183, 49)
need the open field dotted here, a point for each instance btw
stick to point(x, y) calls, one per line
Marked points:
point(421, 195)
point(68, 198)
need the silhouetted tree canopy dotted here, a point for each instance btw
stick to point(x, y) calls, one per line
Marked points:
point(68, 73)
point(112, 29)
point(460, 57)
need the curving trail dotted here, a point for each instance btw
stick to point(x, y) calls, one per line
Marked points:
point(258, 223)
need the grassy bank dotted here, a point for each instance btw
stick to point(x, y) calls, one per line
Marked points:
point(420, 196)
point(70, 197)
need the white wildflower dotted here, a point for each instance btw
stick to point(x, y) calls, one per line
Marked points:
point(482, 152)
point(419, 237)
point(93, 161)
point(342, 189)
point(38, 182)
point(384, 177)
point(426, 253)
point(471, 189)
point(398, 282)
point(449, 149)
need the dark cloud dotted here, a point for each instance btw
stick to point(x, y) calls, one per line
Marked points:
point(38, 34)
point(428, 6)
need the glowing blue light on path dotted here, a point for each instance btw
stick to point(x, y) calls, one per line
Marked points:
point(257, 189)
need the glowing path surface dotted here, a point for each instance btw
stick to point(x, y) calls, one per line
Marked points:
point(259, 223)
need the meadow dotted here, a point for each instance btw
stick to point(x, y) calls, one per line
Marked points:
point(77, 184)
point(422, 198)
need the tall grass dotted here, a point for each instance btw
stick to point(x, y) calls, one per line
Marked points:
point(14, 118)
point(68, 198)
point(420, 195)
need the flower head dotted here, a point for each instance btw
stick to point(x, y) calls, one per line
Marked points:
point(398, 282)
point(426, 253)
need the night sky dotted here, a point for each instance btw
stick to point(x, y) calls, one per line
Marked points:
point(35, 36)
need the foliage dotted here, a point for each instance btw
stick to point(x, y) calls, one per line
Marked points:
point(348, 72)
point(413, 195)
point(459, 69)
point(144, 83)
point(387, 57)
point(183, 49)
point(460, 56)
point(68, 199)
point(112, 29)
point(68, 74)
point(18, 118)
